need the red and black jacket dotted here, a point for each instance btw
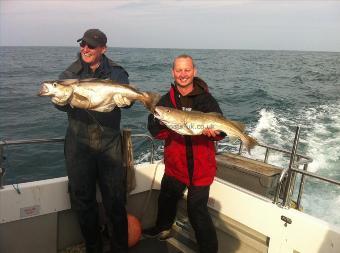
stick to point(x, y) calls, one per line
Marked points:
point(190, 159)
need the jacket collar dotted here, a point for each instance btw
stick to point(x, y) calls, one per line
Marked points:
point(200, 87)
point(79, 66)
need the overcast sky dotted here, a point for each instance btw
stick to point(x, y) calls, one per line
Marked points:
point(272, 24)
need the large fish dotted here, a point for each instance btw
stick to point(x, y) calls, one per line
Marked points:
point(94, 94)
point(194, 122)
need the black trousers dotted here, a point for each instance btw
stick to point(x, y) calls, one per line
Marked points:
point(87, 166)
point(199, 217)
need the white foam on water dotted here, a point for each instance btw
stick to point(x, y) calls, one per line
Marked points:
point(319, 139)
point(320, 133)
point(274, 131)
point(145, 156)
point(323, 137)
point(323, 146)
point(267, 121)
point(270, 130)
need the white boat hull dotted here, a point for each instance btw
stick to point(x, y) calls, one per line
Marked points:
point(35, 219)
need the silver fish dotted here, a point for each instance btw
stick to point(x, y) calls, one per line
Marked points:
point(94, 94)
point(194, 122)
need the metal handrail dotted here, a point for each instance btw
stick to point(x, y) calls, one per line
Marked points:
point(29, 141)
point(4, 143)
point(287, 190)
point(268, 148)
point(311, 174)
point(296, 160)
point(152, 144)
point(307, 159)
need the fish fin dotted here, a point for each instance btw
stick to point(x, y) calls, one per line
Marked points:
point(189, 130)
point(92, 79)
point(105, 108)
point(239, 125)
point(216, 114)
point(80, 101)
point(250, 143)
point(80, 97)
point(106, 81)
point(57, 102)
point(150, 100)
point(98, 80)
point(233, 138)
point(133, 86)
point(67, 82)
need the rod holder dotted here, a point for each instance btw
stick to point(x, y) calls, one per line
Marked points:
point(287, 192)
point(2, 176)
point(128, 162)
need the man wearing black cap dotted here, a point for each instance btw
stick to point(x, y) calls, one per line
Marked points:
point(93, 149)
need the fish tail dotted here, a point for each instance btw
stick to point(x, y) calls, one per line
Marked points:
point(250, 143)
point(150, 99)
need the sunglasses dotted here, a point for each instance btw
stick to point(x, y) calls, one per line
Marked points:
point(83, 44)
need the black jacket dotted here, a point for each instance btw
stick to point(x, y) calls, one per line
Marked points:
point(87, 126)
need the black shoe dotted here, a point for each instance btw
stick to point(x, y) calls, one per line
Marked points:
point(155, 232)
point(94, 249)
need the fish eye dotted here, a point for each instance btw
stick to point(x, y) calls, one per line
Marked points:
point(54, 84)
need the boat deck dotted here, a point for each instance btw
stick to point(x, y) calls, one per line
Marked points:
point(144, 245)
point(154, 245)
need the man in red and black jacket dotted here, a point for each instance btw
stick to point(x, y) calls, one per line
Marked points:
point(189, 160)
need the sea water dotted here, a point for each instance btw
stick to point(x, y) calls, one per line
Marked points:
point(272, 92)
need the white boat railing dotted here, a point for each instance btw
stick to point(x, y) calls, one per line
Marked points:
point(5, 143)
point(286, 180)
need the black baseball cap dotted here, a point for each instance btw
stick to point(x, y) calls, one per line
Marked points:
point(94, 37)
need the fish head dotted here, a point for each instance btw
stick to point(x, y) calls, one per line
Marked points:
point(167, 114)
point(161, 112)
point(174, 119)
point(58, 90)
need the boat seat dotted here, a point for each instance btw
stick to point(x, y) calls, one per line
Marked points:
point(253, 175)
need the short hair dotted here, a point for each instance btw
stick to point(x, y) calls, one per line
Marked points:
point(185, 56)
